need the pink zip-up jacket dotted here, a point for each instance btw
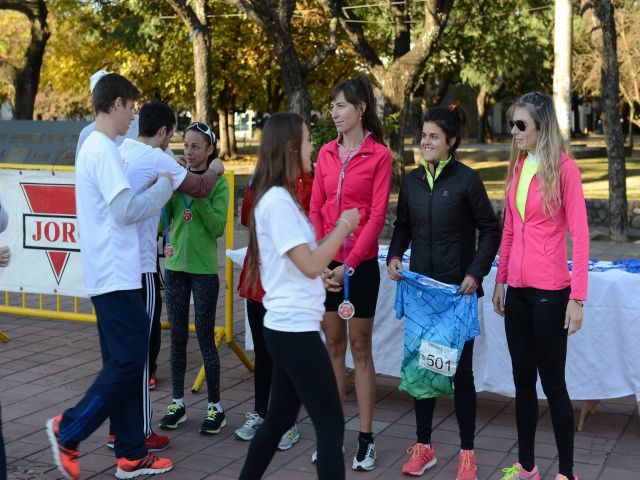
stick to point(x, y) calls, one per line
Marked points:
point(534, 252)
point(365, 185)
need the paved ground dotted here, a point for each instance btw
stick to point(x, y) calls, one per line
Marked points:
point(48, 364)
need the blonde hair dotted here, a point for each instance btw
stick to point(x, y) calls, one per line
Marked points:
point(549, 147)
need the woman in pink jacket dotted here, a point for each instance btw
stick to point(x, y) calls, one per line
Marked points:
point(543, 304)
point(353, 171)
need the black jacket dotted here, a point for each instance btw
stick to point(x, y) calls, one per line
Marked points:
point(441, 225)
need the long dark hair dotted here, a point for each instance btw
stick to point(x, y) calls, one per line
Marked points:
point(279, 165)
point(356, 91)
point(452, 120)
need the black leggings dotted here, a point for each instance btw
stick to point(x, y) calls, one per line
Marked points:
point(537, 339)
point(302, 374)
point(178, 288)
point(263, 362)
point(464, 400)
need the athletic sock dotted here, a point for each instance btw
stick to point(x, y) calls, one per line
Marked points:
point(179, 401)
point(217, 406)
point(368, 436)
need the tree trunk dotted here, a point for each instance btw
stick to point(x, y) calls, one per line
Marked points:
point(631, 125)
point(618, 220)
point(223, 141)
point(562, 43)
point(27, 79)
point(194, 16)
point(481, 105)
point(231, 134)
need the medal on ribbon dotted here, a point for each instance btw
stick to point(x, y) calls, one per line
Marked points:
point(346, 310)
point(168, 249)
point(187, 215)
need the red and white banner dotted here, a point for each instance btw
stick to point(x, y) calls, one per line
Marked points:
point(42, 233)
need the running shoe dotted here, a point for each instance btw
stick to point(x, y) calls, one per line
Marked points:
point(147, 465)
point(213, 422)
point(564, 477)
point(365, 459)
point(176, 414)
point(248, 430)
point(516, 472)
point(289, 439)
point(66, 459)
point(314, 456)
point(152, 382)
point(467, 468)
point(111, 440)
point(422, 458)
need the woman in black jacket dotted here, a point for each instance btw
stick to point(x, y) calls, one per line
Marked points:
point(442, 206)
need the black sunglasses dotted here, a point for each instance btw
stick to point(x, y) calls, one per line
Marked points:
point(203, 128)
point(520, 125)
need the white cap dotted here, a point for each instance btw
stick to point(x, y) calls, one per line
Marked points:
point(95, 77)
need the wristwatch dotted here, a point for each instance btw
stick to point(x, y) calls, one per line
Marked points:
point(579, 302)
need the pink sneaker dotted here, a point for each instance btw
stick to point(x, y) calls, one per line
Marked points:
point(564, 477)
point(467, 468)
point(422, 458)
point(517, 472)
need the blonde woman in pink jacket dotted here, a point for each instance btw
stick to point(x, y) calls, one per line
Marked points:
point(543, 304)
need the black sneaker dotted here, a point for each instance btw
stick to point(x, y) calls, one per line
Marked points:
point(176, 414)
point(365, 459)
point(213, 422)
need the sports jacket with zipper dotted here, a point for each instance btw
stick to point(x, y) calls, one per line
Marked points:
point(365, 185)
point(534, 251)
point(441, 225)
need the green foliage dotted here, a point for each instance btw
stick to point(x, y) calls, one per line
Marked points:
point(322, 132)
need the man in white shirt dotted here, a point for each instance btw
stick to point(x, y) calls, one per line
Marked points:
point(107, 210)
point(143, 159)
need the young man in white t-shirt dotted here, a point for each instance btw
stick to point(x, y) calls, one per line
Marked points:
point(143, 159)
point(107, 210)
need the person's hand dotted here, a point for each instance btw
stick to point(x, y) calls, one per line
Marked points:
point(394, 268)
point(573, 318)
point(166, 175)
point(498, 299)
point(5, 256)
point(334, 279)
point(352, 217)
point(180, 159)
point(217, 166)
point(468, 286)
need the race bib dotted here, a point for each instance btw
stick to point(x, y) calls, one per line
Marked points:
point(438, 358)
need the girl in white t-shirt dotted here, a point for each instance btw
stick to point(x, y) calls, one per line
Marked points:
point(283, 249)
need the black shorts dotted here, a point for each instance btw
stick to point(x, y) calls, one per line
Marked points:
point(363, 289)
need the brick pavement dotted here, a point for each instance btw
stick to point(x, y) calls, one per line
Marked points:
point(48, 364)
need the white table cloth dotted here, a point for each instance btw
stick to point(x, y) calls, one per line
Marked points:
point(603, 358)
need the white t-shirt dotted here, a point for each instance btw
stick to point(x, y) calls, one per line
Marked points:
point(132, 132)
point(294, 303)
point(141, 162)
point(109, 250)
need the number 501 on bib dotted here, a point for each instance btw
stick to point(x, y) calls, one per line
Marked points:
point(438, 358)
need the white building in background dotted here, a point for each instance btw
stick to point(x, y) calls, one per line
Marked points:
point(6, 112)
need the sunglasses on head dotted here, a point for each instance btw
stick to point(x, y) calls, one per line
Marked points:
point(204, 129)
point(520, 125)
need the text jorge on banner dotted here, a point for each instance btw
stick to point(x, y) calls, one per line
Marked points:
point(42, 233)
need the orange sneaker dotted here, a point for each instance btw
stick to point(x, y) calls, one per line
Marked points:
point(111, 440)
point(467, 468)
point(152, 382)
point(66, 459)
point(147, 465)
point(422, 458)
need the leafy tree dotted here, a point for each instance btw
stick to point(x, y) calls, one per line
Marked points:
point(25, 78)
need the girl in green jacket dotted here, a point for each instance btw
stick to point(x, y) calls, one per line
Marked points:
point(191, 267)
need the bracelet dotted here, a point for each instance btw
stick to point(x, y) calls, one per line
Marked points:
point(345, 221)
point(579, 302)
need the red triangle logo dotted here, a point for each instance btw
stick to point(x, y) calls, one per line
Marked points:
point(58, 260)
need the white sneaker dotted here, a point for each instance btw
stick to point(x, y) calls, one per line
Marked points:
point(248, 430)
point(365, 459)
point(314, 456)
point(289, 439)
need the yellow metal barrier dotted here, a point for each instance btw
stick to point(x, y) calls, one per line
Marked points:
point(75, 315)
